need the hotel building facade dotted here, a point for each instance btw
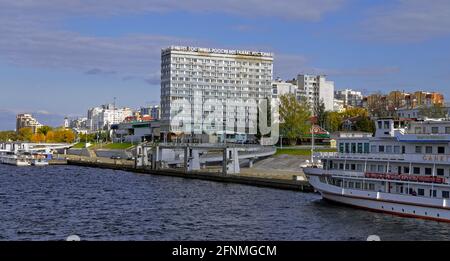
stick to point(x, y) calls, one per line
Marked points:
point(213, 91)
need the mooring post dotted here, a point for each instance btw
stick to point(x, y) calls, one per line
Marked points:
point(186, 159)
point(224, 162)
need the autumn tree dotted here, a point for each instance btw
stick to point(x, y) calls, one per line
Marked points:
point(25, 134)
point(294, 117)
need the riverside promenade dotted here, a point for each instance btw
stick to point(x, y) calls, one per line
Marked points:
point(285, 181)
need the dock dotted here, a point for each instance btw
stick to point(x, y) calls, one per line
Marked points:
point(295, 185)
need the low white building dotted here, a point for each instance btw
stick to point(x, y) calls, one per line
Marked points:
point(101, 118)
point(135, 132)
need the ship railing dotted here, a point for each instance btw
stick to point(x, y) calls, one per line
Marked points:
point(363, 156)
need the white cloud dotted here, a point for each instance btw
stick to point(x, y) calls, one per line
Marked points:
point(409, 20)
point(291, 9)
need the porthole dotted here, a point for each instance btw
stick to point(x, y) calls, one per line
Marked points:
point(414, 211)
point(403, 210)
point(438, 215)
point(382, 207)
point(426, 214)
point(392, 208)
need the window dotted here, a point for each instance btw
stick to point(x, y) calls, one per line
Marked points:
point(441, 150)
point(366, 148)
point(386, 125)
point(428, 149)
point(428, 171)
point(440, 172)
point(421, 192)
point(432, 193)
point(353, 147)
point(435, 130)
point(397, 149)
point(353, 167)
point(373, 168)
point(341, 147)
point(445, 194)
point(347, 148)
point(360, 148)
point(416, 170)
point(381, 169)
point(388, 149)
point(447, 130)
point(341, 165)
point(418, 130)
point(380, 149)
point(418, 149)
point(373, 149)
point(406, 170)
point(380, 125)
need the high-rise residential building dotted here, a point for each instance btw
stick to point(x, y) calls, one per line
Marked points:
point(280, 87)
point(101, 118)
point(153, 111)
point(350, 98)
point(206, 90)
point(316, 89)
point(26, 120)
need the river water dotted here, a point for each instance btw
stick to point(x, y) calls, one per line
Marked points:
point(54, 202)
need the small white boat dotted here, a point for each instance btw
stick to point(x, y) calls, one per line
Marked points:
point(39, 162)
point(16, 160)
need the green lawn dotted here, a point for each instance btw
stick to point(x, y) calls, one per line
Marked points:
point(301, 152)
point(80, 145)
point(117, 146)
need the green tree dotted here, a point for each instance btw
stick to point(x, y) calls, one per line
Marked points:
point(25, 134)
point(365, 124)
point(44, 130)
point(294, 117)
point(334, 121)
point(8, 136)
point(434, 111)
point(321, 114)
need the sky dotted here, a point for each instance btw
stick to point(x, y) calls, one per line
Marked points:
point(61, 57)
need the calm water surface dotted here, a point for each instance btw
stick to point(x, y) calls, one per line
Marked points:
point(53, 202)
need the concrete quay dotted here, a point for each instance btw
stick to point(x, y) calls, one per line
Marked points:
point(252, 180)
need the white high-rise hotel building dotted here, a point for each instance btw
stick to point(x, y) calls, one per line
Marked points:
point(213, 90)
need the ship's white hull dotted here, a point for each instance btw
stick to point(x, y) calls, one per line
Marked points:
point(407, 206)
point(39, 163)
point(14, 162)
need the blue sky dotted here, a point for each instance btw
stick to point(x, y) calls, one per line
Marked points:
point(61, 56)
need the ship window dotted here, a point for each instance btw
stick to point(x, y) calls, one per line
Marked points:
point(358, 185)
point(373, 149)
point(341, 147)
point(380, 148)
point(440, 172)
point(353, 147)
point(353, 166)
point(381, 168)
point(418, 130)
point(397, 149)
point(447, 130)
point(406, 170)
point(373, 168)
point(416, 170)
point(432, 193)
point(360, 148)
point(341, 165)
point(420, 192)
point(366, 147)
point(418, 149)
point(380, 124)
point(386, 124)
point(441, 150)
point(347, 148)
point(359, 167)
point(435, 130)
point(371, 186)
point(429, 149)
point(350, 184)
point(388, 149)
point(445, 194)
point(428, 171)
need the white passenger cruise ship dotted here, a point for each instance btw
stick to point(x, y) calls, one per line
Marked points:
point(403, 169)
